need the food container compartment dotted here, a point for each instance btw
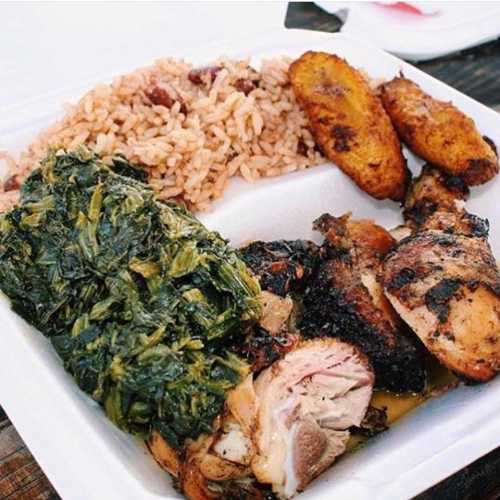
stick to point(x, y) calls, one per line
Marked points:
point(87, 458)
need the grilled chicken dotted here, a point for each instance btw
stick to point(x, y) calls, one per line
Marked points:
point(444, 282)
point(345, 299)
point(227, 453)
point(307, 402)
point(263, 348)
point(430, 192)
point(164, 454)
point(436, 201)
point(439, 132)
point(274, 335)
point(205, 476)
point(280, 431)
point(216, 466)
point(283, 267)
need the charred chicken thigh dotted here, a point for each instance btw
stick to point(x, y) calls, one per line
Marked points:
point(345, 299)
point(443, 279)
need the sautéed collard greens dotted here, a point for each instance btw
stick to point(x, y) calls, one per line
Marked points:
point(142, 303)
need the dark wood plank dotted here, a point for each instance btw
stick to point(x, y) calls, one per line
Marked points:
point(20, 476)
point(307, 15)
point(478, 481)
point(475, 72)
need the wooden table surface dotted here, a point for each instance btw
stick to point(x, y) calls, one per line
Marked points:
point(475, 72)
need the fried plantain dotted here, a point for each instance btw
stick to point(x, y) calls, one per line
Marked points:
point(349, 123)
point(439, 132)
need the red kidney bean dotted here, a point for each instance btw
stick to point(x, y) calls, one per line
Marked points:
point(196, 75)
point(244, 85)
point(302, 148)
point(11, 184)
point(160, 97)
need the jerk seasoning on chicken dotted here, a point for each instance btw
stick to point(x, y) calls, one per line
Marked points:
point(346, 300)
point(337, 293)
point(284, 269)
point(443, 279)
point(141, 302)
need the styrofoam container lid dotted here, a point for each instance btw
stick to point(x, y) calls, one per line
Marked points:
point(441, 28)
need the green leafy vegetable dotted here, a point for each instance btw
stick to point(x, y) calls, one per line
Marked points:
point(143, 304)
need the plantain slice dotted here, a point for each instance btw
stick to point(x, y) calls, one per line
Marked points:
point(349, 123)
point(439, 132)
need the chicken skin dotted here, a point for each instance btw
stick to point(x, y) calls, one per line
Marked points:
point(444, 282)
point(283, 267)
point(436, 201)
point(431, 192)
point(345, 299)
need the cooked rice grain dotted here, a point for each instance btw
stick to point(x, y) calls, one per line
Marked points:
point(193, 141)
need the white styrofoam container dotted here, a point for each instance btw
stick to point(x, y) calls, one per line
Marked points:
point(87, 458)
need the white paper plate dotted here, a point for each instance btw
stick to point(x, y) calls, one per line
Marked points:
point(456, 26)
point(87, 458)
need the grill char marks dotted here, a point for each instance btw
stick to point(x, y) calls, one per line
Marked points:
point(453, 302)
point(282, 429)
point(443, 279)
point(262, 348)
point(345, 300)
point(438, 297)
point(430, 192)
point(282, 266)
point(435, 201)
